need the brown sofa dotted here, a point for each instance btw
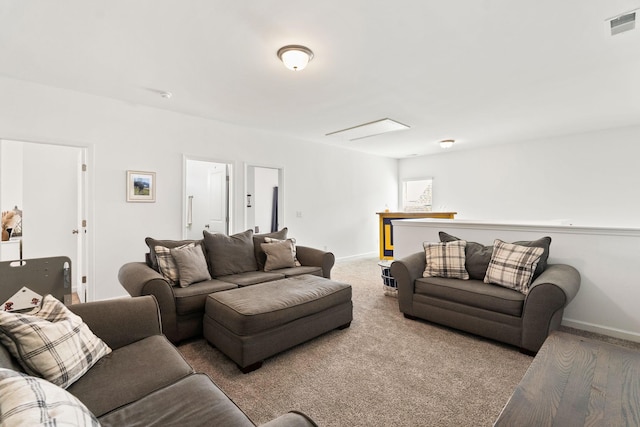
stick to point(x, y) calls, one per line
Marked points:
point(127, 388)
point(483, 309)
point(182, 308)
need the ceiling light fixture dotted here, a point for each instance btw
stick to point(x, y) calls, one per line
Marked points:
point(295, 57)
point(447, 143)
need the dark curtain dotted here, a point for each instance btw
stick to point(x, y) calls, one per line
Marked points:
point(274, 210)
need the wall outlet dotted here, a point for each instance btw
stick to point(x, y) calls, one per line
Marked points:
point(298, 214)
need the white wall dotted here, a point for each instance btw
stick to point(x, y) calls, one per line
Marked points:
point(587, 179)
point(337, 190)
point(11, 180)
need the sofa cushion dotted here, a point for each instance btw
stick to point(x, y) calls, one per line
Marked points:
point(131, 372)
point(152, 243)
point(474, 293)
point(479, 255)
point(167, 264)
point(512, 266)
point(193, 401)
point(445, 259)
point(51, 342)
point(258, 239)
point(191, 299)
point(252, 277)
point(246, 311)
point(280, 254)
point(230, 254)
point(298, 271)
point(30, 401)
point(192, 265)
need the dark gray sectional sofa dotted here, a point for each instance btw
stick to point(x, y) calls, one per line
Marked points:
point(145, 381)
point(233, 261)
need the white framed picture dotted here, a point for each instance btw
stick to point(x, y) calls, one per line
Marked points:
point(141, 186)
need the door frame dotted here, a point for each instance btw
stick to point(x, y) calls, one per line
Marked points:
point(230, 189)
point(281, 190)
point(86, 250)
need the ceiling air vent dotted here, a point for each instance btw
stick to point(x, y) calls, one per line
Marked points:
point(622, 23)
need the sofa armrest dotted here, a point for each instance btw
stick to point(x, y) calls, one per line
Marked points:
point(291, 419)
point(122, 321)
point(544, 305)
point(140, 279)
point(405, 271)
point(317, 258)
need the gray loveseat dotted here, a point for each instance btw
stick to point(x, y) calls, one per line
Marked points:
point(491, 311)
point(145, 381)
point(232, 262)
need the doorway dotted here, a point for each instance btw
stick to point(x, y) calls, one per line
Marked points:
point(264, 208)
point(206, 197)
point(46, 184)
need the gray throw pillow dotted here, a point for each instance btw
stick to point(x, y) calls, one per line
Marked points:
point(279, 255)
point(259, 239)
point(478, 255)
point(192, 265)
point(230, 254)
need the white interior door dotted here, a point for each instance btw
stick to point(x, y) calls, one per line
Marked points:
point(53, 208)
point(207, 198)
point(217, 222)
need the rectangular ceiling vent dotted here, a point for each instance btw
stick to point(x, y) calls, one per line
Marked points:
point(366, 130)
point(622, 23)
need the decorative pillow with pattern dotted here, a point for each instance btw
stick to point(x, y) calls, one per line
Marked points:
point(478, 255)
point(512, 266)
point(293, 247)
point(445, 260)
point(51, 342)
point(279, 255)
point(167, 264)
point(30, 401)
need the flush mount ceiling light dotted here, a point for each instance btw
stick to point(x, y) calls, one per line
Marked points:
point(369, 129)
point(447, 143)
point(295, 57)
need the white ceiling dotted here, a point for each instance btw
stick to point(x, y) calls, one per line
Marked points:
point(479, 71)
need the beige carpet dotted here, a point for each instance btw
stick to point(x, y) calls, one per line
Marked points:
point(384, 370)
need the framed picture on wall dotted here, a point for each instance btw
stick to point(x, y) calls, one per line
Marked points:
point(141, 186)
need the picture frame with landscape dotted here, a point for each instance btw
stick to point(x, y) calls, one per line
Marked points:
point(141, 186)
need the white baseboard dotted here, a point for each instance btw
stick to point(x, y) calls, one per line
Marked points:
point(600, 329)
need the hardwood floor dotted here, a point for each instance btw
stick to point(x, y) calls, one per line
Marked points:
point(576, 381)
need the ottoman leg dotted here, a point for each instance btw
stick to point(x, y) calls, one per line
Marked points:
point(251, 367)
point(345, 326)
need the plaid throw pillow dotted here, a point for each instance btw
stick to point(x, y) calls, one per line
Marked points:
point(167, 264)
point(51, 342)
point(445, 260)
point(512, 266)
point(29, 401)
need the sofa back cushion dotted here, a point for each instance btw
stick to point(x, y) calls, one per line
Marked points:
point(7, 361)
point(230, 254)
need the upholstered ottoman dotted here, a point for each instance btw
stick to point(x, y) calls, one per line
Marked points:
point(252, 323)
